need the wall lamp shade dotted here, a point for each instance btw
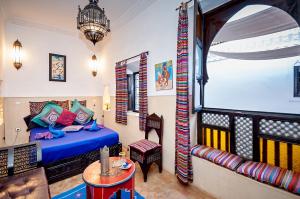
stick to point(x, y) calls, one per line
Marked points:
point(17, 54)
point(94, 65)
point(106, 99)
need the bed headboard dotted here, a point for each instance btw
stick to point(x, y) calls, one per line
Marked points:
point(273, 138)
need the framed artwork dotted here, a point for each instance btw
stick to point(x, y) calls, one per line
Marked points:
point(164, 76)
point(57, 68)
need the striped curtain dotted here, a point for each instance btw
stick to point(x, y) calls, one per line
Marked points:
point(121, 93)
point(143, 97)
point(183, 163)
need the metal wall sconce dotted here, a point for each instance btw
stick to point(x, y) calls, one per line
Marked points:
point(17, 54)
point(106, 99)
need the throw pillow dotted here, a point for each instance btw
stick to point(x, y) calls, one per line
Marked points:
point(51, 117)
point(50, 105)
point(30, 125)
point(82, 102)
point(83, 114)
point(66, 118)
point(82, 117)
point(63, 104)
point(36, 107)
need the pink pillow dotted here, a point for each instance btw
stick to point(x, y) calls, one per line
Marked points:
point(66, 118)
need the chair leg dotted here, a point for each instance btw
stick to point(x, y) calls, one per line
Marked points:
point(145, 168)
point(160, 166)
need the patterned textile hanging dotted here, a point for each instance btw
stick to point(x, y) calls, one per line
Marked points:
point(121, 93)
point(183, 163)
point(143, 97)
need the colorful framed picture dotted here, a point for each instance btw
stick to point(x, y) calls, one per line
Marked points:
point(164, 76)
point(57, 68)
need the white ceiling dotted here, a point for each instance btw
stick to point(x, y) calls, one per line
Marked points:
point(61, 14)
point(208, 5)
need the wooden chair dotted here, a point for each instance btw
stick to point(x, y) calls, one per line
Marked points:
point(146, 152)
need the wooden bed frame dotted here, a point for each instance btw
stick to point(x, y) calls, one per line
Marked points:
point(69, 167)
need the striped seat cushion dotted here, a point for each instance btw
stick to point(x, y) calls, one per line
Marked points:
point(272, 175)
point(145, 145)
point(219, 157)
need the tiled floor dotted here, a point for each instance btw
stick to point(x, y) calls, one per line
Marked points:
point(164, 185)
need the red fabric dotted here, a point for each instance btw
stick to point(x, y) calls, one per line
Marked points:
point(66, 118)
point(143, 97)
point(145, 145)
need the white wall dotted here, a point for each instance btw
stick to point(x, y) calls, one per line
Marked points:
point(32, 80)
point(2, 39)
point(252, 85)
point(153, 30)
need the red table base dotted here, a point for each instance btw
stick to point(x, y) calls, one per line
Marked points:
point(107, 192)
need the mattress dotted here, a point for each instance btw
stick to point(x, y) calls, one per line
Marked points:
point(73, 144)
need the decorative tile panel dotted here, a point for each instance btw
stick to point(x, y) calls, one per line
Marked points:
point(282, 129)
point(244, 136)
point(215, 119)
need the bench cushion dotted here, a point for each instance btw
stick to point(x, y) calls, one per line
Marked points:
point(222, 158)
point(272, 175)
point(145, 145)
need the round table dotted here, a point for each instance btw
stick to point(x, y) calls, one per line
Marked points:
point(103, 187)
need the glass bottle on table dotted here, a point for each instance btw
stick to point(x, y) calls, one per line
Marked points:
point(122, 157)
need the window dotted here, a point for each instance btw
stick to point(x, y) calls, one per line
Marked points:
point(136, 78)
point(198, 78)
point(297, 81)
point(252, 69)
point(133, 91)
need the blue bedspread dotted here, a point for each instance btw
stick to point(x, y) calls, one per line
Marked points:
point(74, 144)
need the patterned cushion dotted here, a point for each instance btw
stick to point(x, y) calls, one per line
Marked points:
point(145, 145)
point(228, 160)
point(63, 104)
point(36, 107)
point(84, 115)
point(38, 118)
point(66, 118)
point(219, 157)
point(51, 117)
point(273, 175)
point(82, 102)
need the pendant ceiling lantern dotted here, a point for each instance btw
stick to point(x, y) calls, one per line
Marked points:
point(93, 22)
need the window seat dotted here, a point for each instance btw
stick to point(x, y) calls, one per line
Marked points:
point(230, 184)
point(272, 175)
point(222, 158)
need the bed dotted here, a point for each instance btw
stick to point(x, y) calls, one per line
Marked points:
point(71, 154)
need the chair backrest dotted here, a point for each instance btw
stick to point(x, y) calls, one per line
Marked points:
point(19, 158)
point(154, 122)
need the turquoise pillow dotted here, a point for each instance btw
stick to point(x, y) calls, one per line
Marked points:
point(83, 114)
point(47, 108)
